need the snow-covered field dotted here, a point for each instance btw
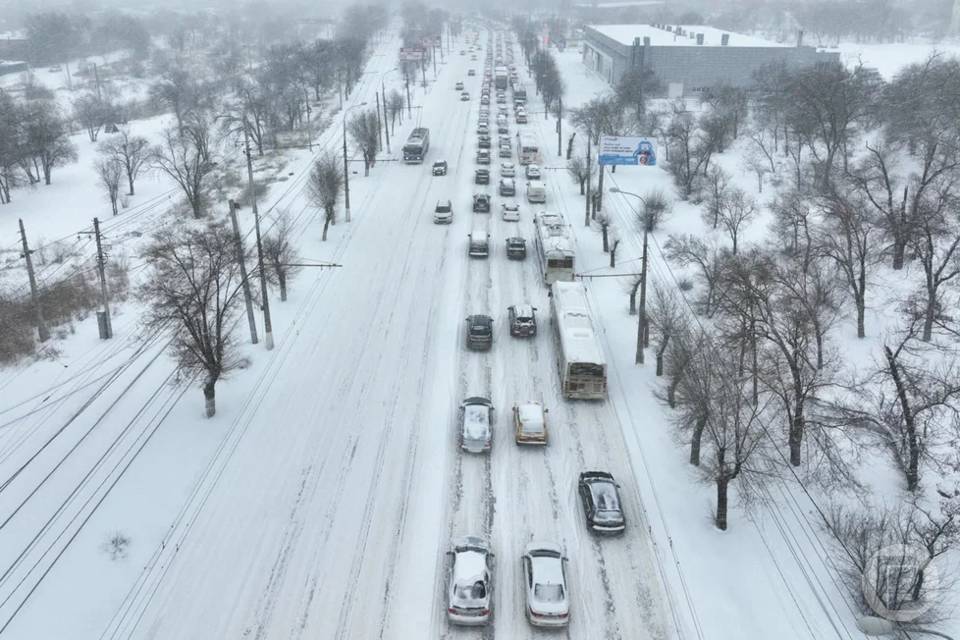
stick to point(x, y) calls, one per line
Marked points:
point(320, 500)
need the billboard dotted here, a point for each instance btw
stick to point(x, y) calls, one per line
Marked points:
point(628, 150)
point(411, 54)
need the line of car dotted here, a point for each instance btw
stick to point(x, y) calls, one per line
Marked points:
point(544, 564)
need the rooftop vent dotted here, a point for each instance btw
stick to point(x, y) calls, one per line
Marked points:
point(699, 38)
point(646, 41)
point(669, 28)
point(724, 39)
point(800, 38)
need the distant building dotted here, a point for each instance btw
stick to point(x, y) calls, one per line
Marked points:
point(14, 46)
point(12, 66)
point(689, 59)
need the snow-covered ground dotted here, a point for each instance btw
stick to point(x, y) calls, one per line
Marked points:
point(319, 502)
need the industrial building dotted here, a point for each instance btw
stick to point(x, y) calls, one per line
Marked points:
point(688, 59)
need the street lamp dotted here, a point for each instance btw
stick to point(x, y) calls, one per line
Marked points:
point(642, 320)
point(346, 172)
point(383, 91)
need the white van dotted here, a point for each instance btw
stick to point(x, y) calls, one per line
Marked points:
point(536, 192)
point(479, 246)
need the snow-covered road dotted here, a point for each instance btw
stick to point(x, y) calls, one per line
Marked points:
point(326, 508)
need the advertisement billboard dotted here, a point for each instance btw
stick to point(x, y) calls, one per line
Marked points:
point(626, 150)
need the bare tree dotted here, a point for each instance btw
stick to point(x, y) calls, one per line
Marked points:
point(395, 100)
point(717, 185)
point(46, 141)
point(668, 320)
point(178, 91)
point(110, 172)
point(183, 162)
point(365, 132)
point(849, 239)
point(793, 225)
point(690, 151)
point(577, 167)
point(758, 165)
point(92, 113)
point(195, 288)
point(656, 209)
point(937, 245)
point(738, 210)
point(132, 152)
point(279, 254)
point(324, 186)
point(708, 259)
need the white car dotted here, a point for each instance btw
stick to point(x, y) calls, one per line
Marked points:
point(476, 425)
point(469, 594)
point(529, 423)
point(443, 213)
point(545, 581)
point(507, 187)
point(511, 211)
point(508, 170)
point(533, 172)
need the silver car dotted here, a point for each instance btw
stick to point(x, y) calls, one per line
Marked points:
point(469, 593)
point(545, 582)
point(476, 424)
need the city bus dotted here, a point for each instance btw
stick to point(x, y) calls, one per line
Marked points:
point(417, 145)
point(554, 242)
point(527, 148)
point(581, 364)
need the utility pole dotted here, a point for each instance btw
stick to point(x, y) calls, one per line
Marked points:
point(101, 269)
point(409, 107)
point(423, 70)
point(346, 171)
point(560, 127)
point(386, 126)
point(267, 327)
point(96, 77)
point(642, 320)
point(42, 331)
point(379, 129)
point(248, 300)
point(586, 221)
point(433, 54)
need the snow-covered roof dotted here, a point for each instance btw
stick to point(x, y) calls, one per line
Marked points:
point(554, 234)
point(574, 324)
point(625, 34)
point(469, 567)
point(531, 415)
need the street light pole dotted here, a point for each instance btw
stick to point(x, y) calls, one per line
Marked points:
point(642, 320)
point(267, 325)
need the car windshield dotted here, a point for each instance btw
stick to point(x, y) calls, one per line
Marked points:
point(478, 329)
point(605, 497)
point(548, 592)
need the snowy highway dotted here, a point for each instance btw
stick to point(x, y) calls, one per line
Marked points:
point(327, 509)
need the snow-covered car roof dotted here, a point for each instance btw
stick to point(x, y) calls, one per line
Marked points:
point(523, 310)
point(530, 413)
point(510, 206)
point(476, 421)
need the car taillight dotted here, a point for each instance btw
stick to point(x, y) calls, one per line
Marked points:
point(484, 612)
point(452, 610)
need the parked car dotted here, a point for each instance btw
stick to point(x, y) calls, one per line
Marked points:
point(510, 211)
point(476, 424)
point(533, 172)
point(479, 332)
point(521, 117)
point(458, 86)
point(504, 140)
point(516, 248)
point(470, 589)
point(483, 142)
point(503, 128)
point(472, 72)
point(465, 96)
point(545, 581)
point(481, 176)
point(443, 213)
point(536, 192)
point(508, 170)
point(523, 320)
point(440, 168)
point(485, 99)
point(601, 502)
point(508, 187)
point(529, 423)
point(479, 243)
point(506, 151)
point(482, 128)
point(481, 203)
point(483, 156)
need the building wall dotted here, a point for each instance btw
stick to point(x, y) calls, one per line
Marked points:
point(691, 69)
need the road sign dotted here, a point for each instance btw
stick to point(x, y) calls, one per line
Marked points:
point(627, 150)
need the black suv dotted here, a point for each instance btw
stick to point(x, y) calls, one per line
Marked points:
point(523, 320)
point(481, 203)
point(481, 176)
point(601, 502)
point(479, 332)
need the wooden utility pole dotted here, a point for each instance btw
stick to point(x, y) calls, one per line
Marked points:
point(42, 331)
point(642, 320)
point(248, 300)
point(379, 131)
point(346, 171)
point(101, 269)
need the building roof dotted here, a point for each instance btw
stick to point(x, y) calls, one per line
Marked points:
point(625, 34)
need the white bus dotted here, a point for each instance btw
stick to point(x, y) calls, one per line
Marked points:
point(527, 148)
point(580, 361)
point(554, 242)
point(417, 145)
